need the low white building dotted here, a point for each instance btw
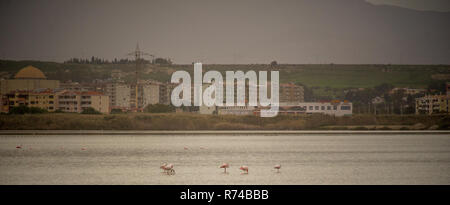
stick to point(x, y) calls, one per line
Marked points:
point(328, 108)
point(236, 110)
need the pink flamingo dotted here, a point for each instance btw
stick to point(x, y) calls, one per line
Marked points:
point(169, 169)
point(277, 167)
point(169, 166)
point(244, 168)
point(163, 167)
point(224, 166)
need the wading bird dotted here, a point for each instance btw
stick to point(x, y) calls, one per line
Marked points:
point(224, 166)
point(244, 168)
point(277, 167)
point(169, 169)
point(163, 167)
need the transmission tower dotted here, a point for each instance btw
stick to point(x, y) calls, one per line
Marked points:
point(138, 59)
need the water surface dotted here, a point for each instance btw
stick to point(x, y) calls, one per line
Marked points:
point(305, 159)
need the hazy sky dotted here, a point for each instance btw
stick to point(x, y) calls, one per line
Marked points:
point(424, 5)
point(231, 31)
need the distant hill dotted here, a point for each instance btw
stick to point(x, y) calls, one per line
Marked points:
point(313, 75)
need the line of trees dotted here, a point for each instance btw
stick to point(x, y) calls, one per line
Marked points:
point(99, 61)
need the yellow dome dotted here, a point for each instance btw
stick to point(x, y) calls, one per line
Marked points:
point(30, 72)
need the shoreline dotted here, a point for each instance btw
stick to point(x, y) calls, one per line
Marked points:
point(217, 132)
point(197, 122)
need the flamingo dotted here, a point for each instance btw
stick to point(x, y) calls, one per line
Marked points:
point(224, 166)
point(169, 169)
point(19, 146)
point(277, 167)
point(244, 168)
point(163, 167)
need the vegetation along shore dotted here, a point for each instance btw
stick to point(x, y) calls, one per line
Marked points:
point(189, 121)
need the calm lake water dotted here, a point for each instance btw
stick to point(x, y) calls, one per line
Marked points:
point(305, 159)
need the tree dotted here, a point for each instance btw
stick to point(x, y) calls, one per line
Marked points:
point(273, 63)
point(397, 98)
point(20, 110)
point(383, 88)
point(308, 93)
point(437, 87)
point(162, 61)
point(116, 111)
point(90, 111)
point(159, 108)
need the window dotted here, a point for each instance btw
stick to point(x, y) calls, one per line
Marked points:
point(335, 107)
point(328, 107)
point(311, 107)
point(317, 108)
point(322, 107)
point(345, 107)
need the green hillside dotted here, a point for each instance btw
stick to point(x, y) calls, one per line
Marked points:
point(330, 76)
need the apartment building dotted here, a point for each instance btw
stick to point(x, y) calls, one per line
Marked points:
point(40, 98)
point(72, 101)
point(123, 96)
point(165, 92)
point(291, 93)
point(432, 104)
point(150, 94)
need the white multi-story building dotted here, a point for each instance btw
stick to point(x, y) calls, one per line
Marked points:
point(122, 96)
point(150, 94)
